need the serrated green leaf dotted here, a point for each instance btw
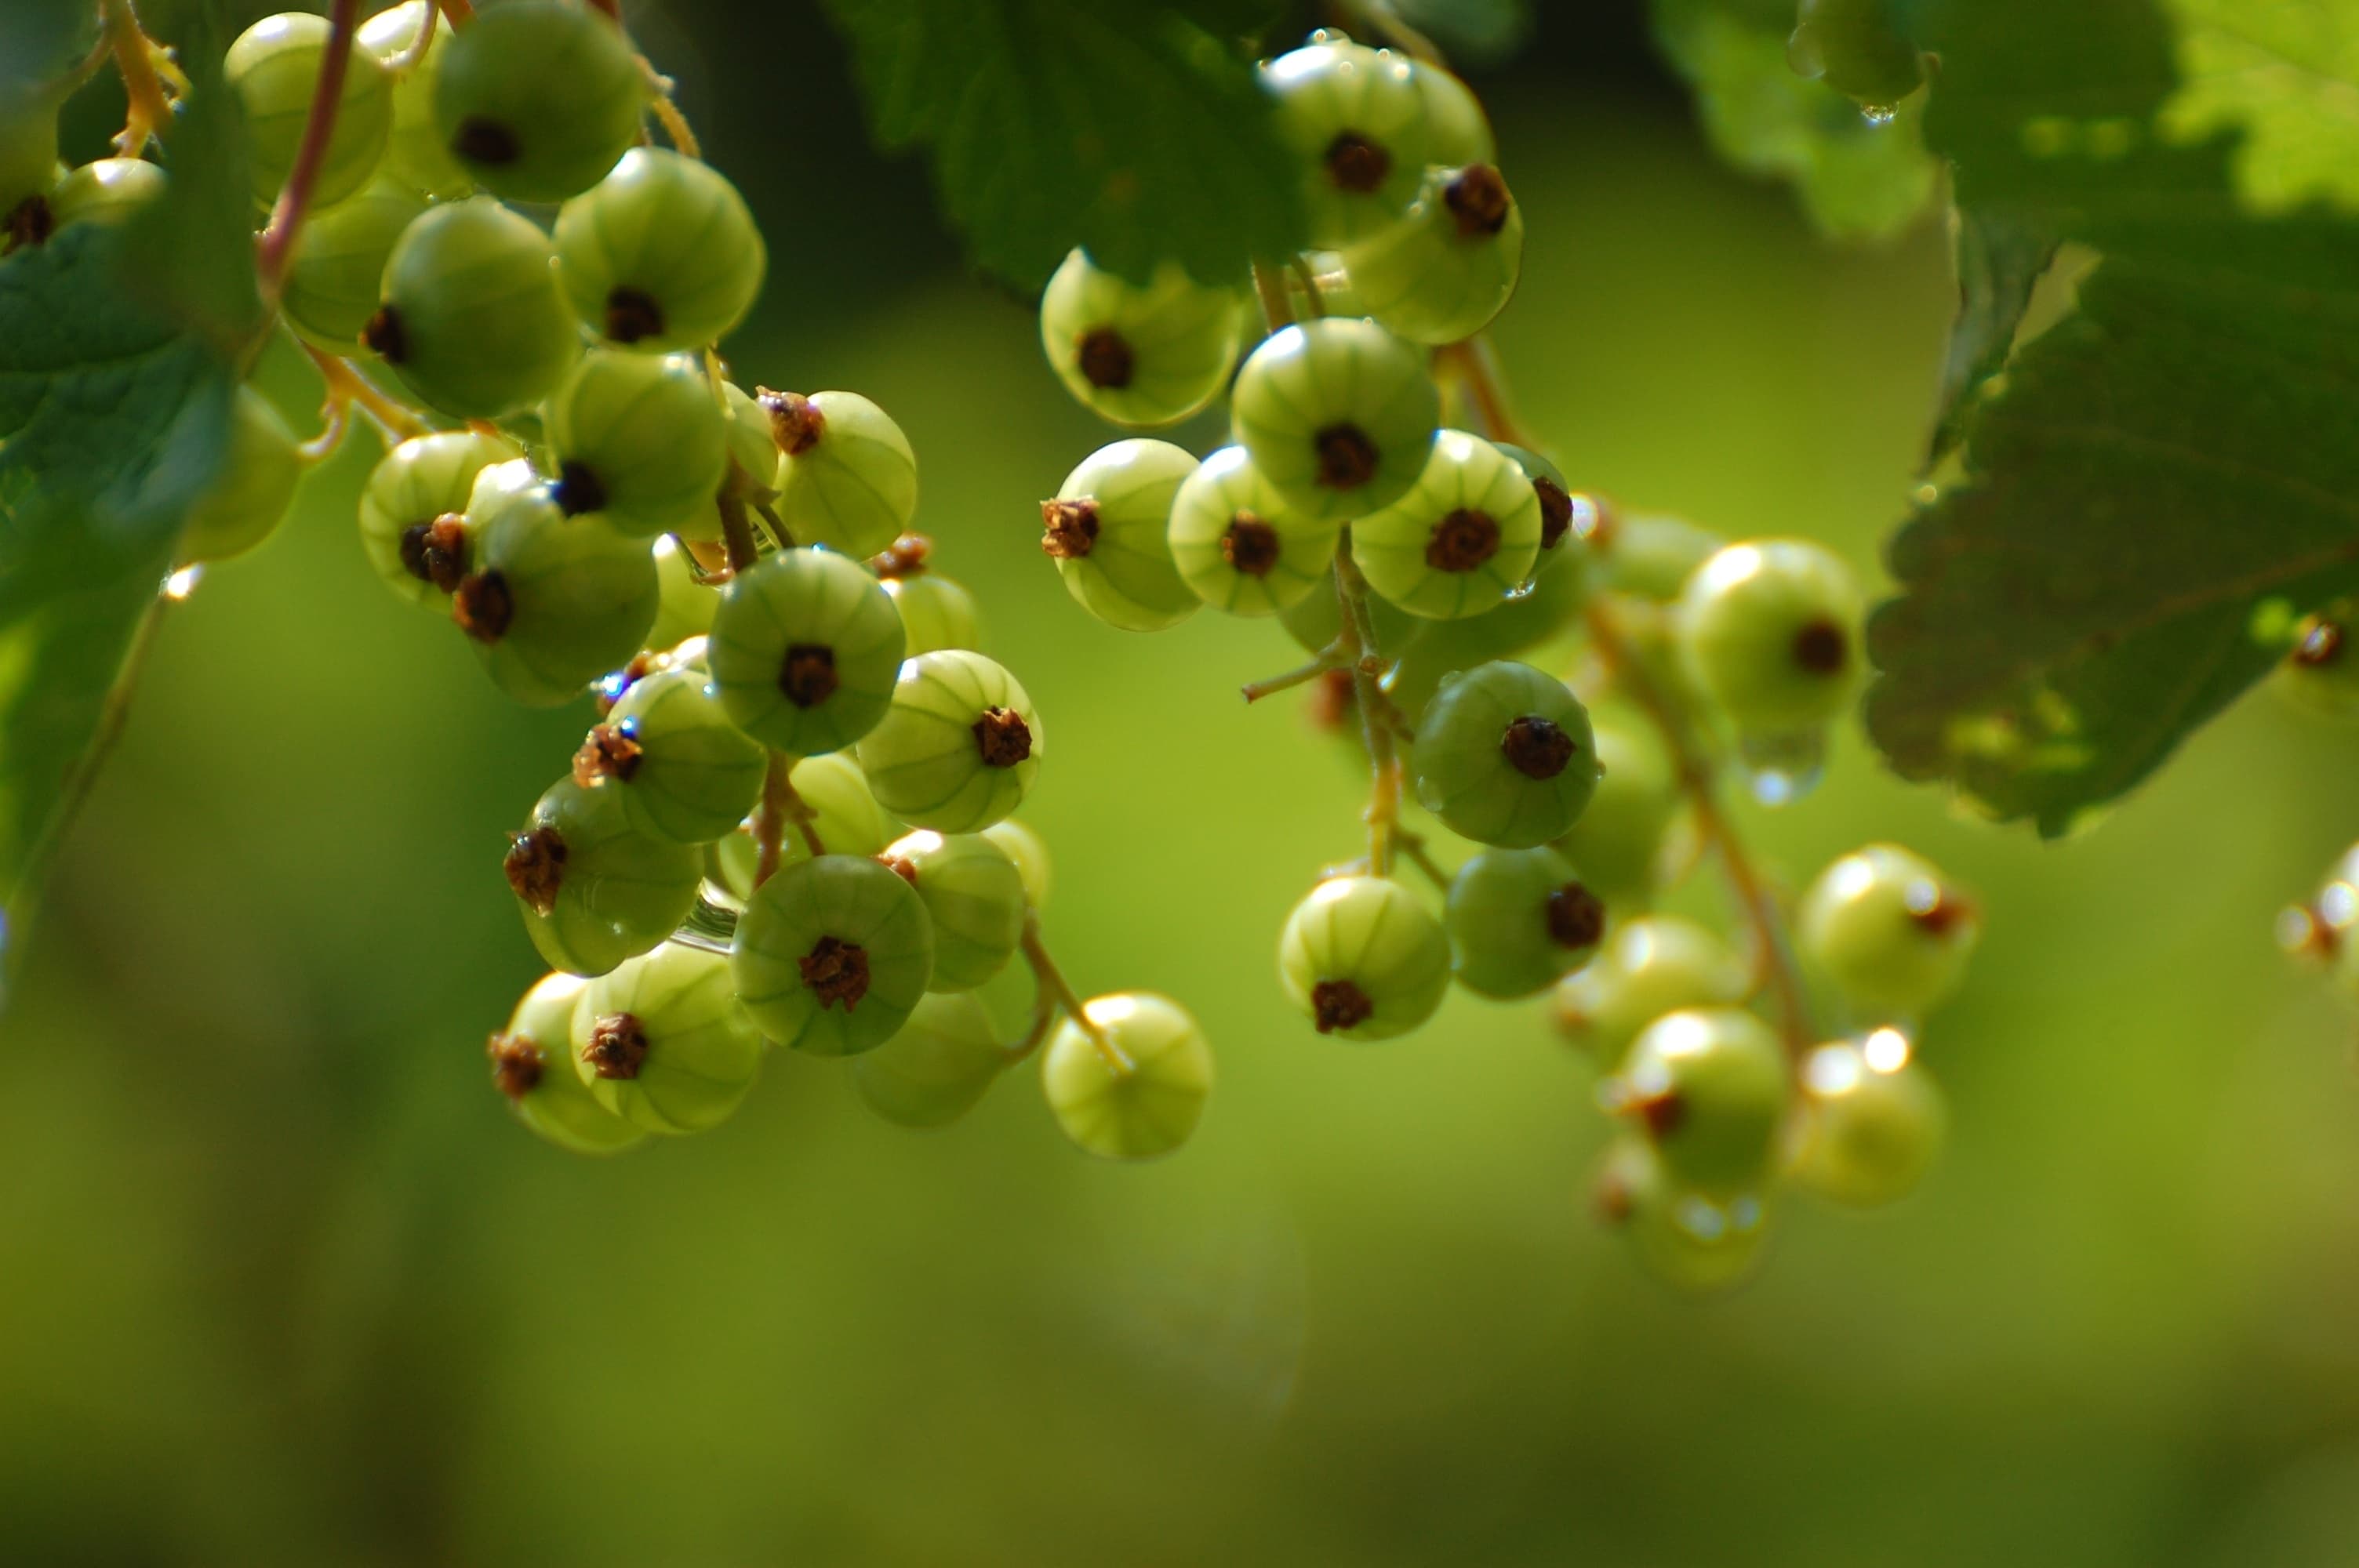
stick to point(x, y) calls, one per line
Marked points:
point(112, 423)
point(2001, 256)
point(1855, 176)
point(2167, 471)
point(2285, 75)
point(1121, 127)
point(190, 253)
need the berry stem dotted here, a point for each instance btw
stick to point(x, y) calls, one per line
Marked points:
point(1331, 657)
point(277, 243)
point(457, 13)
point(149, 109)
point(776, 524)
point(780, 806)
point(1052, 983)
point(1271, 288)
point(1358, 638)
point(414, 51)
point(1309, 281)
point(336, 416)
point(737, 531)
point(347, 386)
point(1412, 849)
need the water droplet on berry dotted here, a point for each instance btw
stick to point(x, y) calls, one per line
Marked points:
point(1782, 766)
point(1879, 114)
point(182, 583)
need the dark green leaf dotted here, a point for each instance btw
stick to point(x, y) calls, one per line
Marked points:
point(1472, 32)
point(191, 254)
point(41, 41)
point(2169, 477)
point(2000, 257)
point(1122, 127)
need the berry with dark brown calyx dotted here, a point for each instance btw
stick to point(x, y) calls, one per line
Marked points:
point(1338, 416)
point(1356, 121)
point(1710, 1089)
point(1462, 541)
point(1576, 916)
point(1338, 1004)
point(384, 336)
point(1764, 628)
point(2323, 644)
point(1363, 958)
point(517, 1063)
point(532, 1061)
point(1505, 755)
point(807, 676)
point(536, 866)
point(608, 753)
point(1347, 459)
point(437, 552)
point(29, 222)
point(1104, 358)
point(633, 316)
point(1355, 164)
point(1822, 647)
point(905, 557)
point(788, 626)
point(1250, 545)
point(1002, 738)
point(616, 1048)
point(1556, 511)
point(958, 747)
point(1536, 747)
point(1519, 921)
point(796, 424)
point(594, 890)
point(484, 142)
point(577, 490)
point(1478, 199)
point(836, 971)
point(483, 606)
point(1071, 528)
point(833, 953)
point(1892, 936)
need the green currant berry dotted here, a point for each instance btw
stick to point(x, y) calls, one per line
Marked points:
point(832, 954)
point(1505, 755)
point(1683, 1237)
point(1560, 510)
point(1550, 608)
point(274, 67)
point(1618, 841)
point(2320, 672)
point(843, 816)
point(1652, 557)
point(661, 254)
point(1709, 1086)
point(552, 604)
point(537, 99)
point(1316, 620)
point(106, 191)
point(661, 1041)
point(413, 524)
point(1648, 967)
point(637, 439)
point(975, 896)
point(683, 770)
point(338, 266)
point(470, 316)
point(936, 1068)
point(958, 748)
point(1446, 269)
point(1518, 919)
point(594, 890)
point(1460, 131)
point(413, 152)
point(1143, 1093)
point(1463, 538)
point(1873, 1121)
point(1030, 853)
point(847, 477)
point(1108, 531)
point(249, 496)
point(752, 455)
point(1356, 118)
point(936, 613)
point(805, 649)
point(532, 1063)
point(1239, 547)
point(1339, 416)
point(1769, 631)
point(1892, 936)
point(1851, 46)
point(1139, 356)
point(1363, 958)
point(686, 604)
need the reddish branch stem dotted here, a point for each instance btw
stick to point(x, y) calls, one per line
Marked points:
point(277, 243)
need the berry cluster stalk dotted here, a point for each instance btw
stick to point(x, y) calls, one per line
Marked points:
point(150, 110)
point(277, 246)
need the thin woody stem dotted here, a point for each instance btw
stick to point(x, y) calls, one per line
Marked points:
point(1331, 657)
point(277, 243)
point(737, 531)
point(348, 385)
point(770, 818)
point(457, 13)
point(1052, 982)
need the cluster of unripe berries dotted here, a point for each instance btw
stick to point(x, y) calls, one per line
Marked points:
point(791, 824)
point(1416, 561)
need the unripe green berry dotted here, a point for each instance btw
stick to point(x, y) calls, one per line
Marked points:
point(1145, 1101)
point(1505, 755)
point(1892, 936)
point(338, 266)
point(752, 455)
point(662, 1044)
point(1709, 1087)
point(1462, 539)
point(2320, 674)
point(1363, 958)
point(1454, 121)
point(843, 816)
point(532, 1064)
point(1338, 414)
point(1618, 841)
point(1685, 1239)
point(1447, 268)
point(934, 1069)
point(1108, 532)
point(686, 605)
point(537, 99)
point(1647, 967)
point(833, 953)
point(1143, 357)
point(936, 613)
point(958, 748)
point(1549, 609)
point(1652, 557)
point(973, 895)
point(108, 190)
point(805, 650)
point(661, 254)
point(249, 496)
point(469, 315)
point(1567, 523)
point(413, 524)
point(552, 604)
point(1768, 630)
point(413, 152)
point(1239, 547)
point(1356, 119)
point(846, 477)
point(638, 441)
point(596, 891)
point(1851, 46)
point(1873, 1121)
point(1518, 919)
point(274, 68)
point(1030, 853)
point(682, 769)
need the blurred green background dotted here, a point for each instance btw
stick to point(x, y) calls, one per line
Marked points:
point(281, 1283)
